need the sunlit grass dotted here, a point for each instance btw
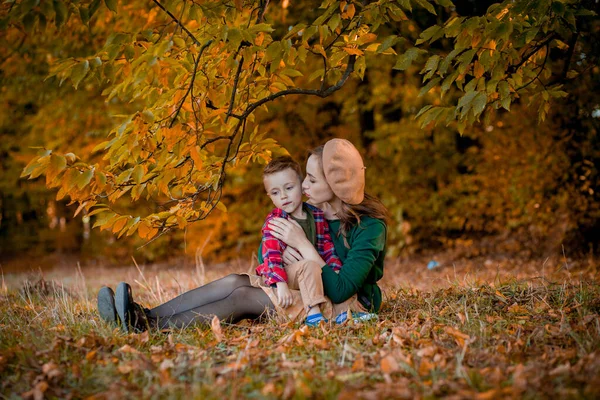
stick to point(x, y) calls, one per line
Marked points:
point(507, 337)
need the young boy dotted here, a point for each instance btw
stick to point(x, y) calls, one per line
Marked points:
point(282, 178)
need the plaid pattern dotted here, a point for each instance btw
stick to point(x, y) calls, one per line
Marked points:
point(272, 269)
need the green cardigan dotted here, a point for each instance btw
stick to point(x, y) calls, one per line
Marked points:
point(362, 263)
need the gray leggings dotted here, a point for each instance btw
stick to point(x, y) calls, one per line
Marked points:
point(231, 299)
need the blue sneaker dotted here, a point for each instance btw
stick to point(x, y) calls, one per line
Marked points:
point(315, 319)
point(356, 317)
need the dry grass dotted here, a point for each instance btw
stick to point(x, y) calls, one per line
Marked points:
point(467, 329)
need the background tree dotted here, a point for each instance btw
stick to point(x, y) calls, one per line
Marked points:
point(193, 81)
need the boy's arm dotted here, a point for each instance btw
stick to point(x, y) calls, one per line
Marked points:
point(328, 250)
point(325, 245)
point(272, 250)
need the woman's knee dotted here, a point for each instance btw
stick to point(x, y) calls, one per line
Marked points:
point(234, 281)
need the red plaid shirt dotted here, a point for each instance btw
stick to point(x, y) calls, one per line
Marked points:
point(272, 269)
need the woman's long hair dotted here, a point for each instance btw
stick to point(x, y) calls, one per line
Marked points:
point(351, 214)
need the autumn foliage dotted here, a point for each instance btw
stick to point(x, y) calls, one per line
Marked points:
point(176, 103)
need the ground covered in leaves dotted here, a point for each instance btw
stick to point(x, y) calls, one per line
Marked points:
point(507, 336)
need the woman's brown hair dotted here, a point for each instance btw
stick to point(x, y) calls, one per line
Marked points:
point(350, 214)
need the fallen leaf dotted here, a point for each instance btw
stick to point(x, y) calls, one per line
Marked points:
point(128, 349)
point(37, 393)
point(166, 364)
point(458, 336)
point(52, 370)
point(358, 364)
point(560, 370)
point(389, 365)
point(268, 389)
point(517, 309)
point(425, 366)
point(216, 329)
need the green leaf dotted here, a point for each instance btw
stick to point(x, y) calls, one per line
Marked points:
point(61, 13)
point(137, 174)
point(79, 72)
point(261, 28)
point(387, 43)
point(479, 103)
point(429, 86)
point(428, 34)
point(405, 60)
point(503, 90)
point(426, 5)
point(28, 21)
point(84, 178)
point(430, 67)
point(111, 4)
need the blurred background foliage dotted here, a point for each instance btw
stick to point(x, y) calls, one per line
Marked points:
point(507, 184)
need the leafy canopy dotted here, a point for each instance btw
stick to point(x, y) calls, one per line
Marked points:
point(194, 73)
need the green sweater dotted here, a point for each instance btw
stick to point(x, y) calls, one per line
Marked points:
point(362, 263)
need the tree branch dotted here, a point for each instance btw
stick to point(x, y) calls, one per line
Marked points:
point(191, 83)
point(311, 92)
point(262, 10)
point(178, 22)
point(234, 90)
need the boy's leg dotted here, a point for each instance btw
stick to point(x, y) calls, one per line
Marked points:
point(305, 276)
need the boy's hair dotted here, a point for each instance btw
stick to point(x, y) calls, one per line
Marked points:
point(282, 163)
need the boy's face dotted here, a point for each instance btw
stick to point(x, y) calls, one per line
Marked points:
point(284, 189)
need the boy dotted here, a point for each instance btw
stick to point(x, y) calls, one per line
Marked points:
point(282, 178)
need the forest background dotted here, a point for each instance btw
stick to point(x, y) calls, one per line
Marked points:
point(523, 182)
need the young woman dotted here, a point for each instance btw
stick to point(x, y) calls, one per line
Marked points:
point(335, 182)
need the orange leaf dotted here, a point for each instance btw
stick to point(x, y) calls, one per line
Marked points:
point(359, 364)
point(389, 364)
point(349, 12)
point(352, 51)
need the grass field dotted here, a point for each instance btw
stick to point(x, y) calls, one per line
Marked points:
point(469, 329)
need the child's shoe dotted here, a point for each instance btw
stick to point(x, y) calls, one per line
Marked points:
point(315, 319)
point(356, 317)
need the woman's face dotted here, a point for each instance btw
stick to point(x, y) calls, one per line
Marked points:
point(315, 187)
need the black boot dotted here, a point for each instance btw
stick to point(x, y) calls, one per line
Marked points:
point(106, 305)
point(133, 316)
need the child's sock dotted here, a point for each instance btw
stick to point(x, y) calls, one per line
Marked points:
point(313, 320)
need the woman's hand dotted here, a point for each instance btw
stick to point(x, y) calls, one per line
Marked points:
point(289, 232)
point(284, 295)
point(291, 256)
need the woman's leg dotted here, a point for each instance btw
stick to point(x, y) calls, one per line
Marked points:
point(209, 293)
point(242, 302)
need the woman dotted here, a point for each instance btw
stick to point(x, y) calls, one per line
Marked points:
point(335, 182)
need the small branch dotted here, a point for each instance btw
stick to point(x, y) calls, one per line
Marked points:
point(539, 72)
point(262, 10)
point(178, 22)
point(572, 44)
point(214, 140)
point(535, 49)
point(235, 85)
point(191, 83)
point(311, 92)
